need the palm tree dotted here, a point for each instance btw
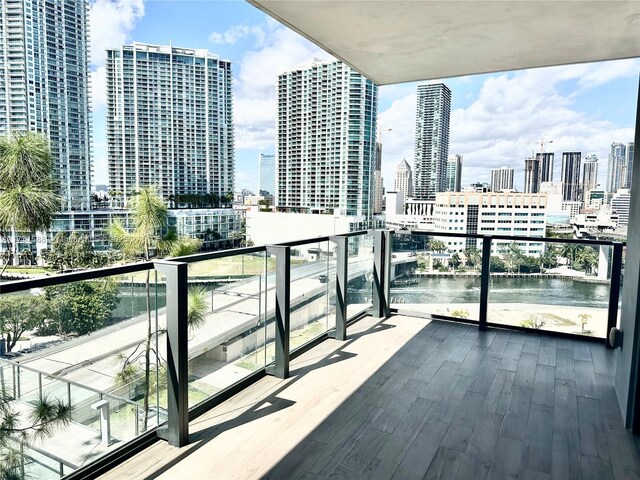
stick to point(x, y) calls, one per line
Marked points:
point(473, 256)
point(588, 258)
point(28, 194)
point(149, 215)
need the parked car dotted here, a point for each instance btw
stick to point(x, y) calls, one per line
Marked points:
point(323, 279)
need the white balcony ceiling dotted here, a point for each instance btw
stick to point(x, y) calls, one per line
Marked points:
point(401, 41)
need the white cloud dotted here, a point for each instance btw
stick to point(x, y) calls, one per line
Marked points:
point(510, 115)
point(112, 22)
point(255, 84)
point(238, 32)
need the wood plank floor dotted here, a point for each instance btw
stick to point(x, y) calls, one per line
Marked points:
point(407, 398)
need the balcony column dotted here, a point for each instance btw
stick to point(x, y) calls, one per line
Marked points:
point(381, 272)
point(484, 282)
point(280, 368)
point(176, 274)
point(627, 381)
point(342, 279)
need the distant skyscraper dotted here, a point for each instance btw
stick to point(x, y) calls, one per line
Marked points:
point(531, 175)
point(629, 163)
point(267, 173)
point(404, 179)
point(432, 141)
point(378, 182)
point(169, 121)
point(571, 176)
point(454, 173)
point(44, 86)
point(589, 176)
point(501, 179)
point(616, 174)
point(326, 140)
point(545, 167)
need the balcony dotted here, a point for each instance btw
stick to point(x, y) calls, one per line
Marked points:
point(307, 362)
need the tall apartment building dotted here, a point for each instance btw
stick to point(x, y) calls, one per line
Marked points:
point(326, 140)
point(454, 173)
point(501, 179)
point(44, 86)
point(404, 179)
point(545, 162)
point(589, 176)
point(616, 173)
point(571, 176)
point(531, 175)
point(378, 181)
point(169, 121)
point(432, 141)
point(629, 164)
point(267, 173)
point(521, 214)
point(620, 204)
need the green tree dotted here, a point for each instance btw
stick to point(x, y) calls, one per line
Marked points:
point(513, 257)
point(81, 307)
point(473, 257)
point(496, 264)
point(586, 259)
point(460, 313)
point(18, 314)
point(436, 246)
point(45, 416)
point(149, 214)
point(28, 195)
point(455, 261)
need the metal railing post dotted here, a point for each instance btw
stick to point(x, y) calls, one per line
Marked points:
point(381, 268)
point(18, 381)
point(386, 284)
point(39, 385)
point(614, 290)
point(176, 274)
point(282, 309)
point(342, 278)
point(484, 282)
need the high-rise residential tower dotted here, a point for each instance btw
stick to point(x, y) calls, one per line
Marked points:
point(454, 173)
point(378, 181)
point(326, 140)
point(432, 141)
point(531, 175)
point(169, 121)
point(501, 179)
point(629, 164)
point(545, 161)
point(44, 86)
point(267, 173)
point(404, 179)
point(589, 176)
point(571, 176)
point(616, 174)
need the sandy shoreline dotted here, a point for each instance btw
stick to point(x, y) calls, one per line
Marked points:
point(555, 317)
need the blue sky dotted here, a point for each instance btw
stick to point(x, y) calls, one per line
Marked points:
point(497, 120)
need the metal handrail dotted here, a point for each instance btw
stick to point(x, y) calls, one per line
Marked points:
point(514, 238)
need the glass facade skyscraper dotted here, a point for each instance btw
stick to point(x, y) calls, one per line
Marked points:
point(44, 86)
point(326, 140)
point(432, 141)
point(571, 176)
point(169, 121)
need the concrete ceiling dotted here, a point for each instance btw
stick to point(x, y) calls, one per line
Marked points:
point(401, 41)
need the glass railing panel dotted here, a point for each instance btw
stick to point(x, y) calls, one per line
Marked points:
point(561, 287)
point(90, 347)
point(436, 275)
point(313, 272)
point(360, 271)
point(227, 302)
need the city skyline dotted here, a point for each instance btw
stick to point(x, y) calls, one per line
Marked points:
point(496, 119)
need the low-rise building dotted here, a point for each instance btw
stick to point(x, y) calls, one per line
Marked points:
point(520, 214)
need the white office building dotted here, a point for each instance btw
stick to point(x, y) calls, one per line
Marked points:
point(326, 140)
point(169, 121)
point(520, 214)
point(44, 86)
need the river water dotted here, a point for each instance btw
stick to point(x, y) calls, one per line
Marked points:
point(466, 289)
